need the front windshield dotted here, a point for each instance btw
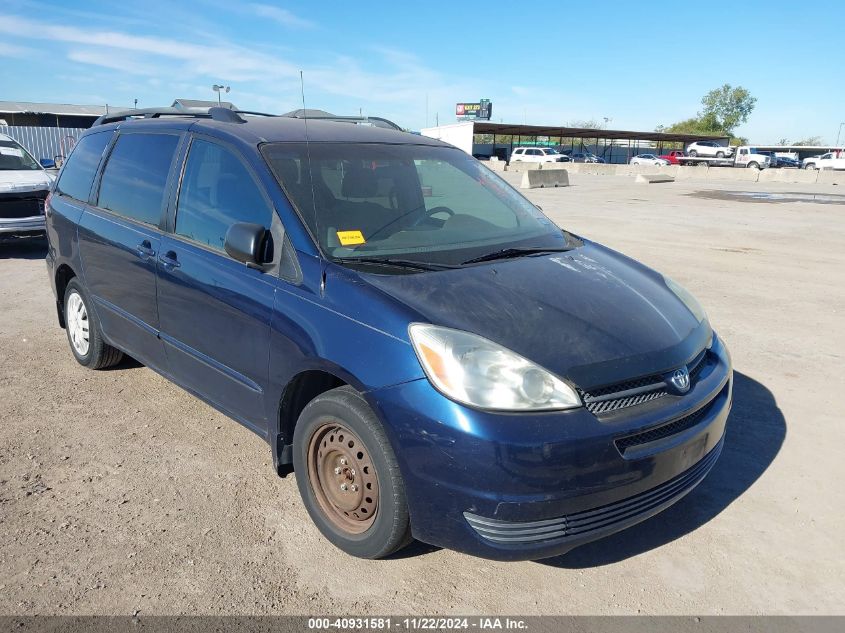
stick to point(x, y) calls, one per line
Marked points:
point(13, 157)
point(415, 202)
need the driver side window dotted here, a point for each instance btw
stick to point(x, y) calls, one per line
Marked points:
point(217, 191)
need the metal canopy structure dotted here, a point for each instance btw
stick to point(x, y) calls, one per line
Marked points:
point(610, 145)
point(508, 129)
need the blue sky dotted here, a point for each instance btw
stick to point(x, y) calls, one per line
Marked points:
point(638, 63)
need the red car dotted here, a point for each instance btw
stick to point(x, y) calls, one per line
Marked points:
point(673, 156)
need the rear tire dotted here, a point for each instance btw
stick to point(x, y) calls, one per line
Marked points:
point(810, 166)
point(693, 153)
point(83, 331)
point(348, 476)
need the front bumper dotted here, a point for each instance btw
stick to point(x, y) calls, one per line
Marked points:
point(530, 486)
point(34, 224)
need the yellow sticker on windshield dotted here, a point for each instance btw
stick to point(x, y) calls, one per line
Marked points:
point(350, 238)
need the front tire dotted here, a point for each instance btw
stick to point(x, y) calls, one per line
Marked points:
point(693, 153)
point(720, 154)
point(810, 166)
point(83, 331)
point(753, 165)
point(348, 476)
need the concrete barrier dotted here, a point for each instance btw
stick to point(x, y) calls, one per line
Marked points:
point(831, 177)
point(539, 178)
point(684, 172)
point(808, 176)
point(597, 169)
point(495, 165)
point(650, 178)
point(733, 174)
point(519, 166)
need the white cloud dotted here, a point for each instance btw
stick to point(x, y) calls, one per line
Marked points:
point(12, 50)
point(113, 59)
point(281, 16)
point(384, 81)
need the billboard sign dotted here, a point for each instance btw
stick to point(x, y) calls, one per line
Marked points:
point(483, 109)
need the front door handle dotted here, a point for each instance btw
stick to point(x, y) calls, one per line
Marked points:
point(169, 260)
point(145, 249)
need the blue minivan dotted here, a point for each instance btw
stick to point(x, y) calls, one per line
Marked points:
point(430, 355)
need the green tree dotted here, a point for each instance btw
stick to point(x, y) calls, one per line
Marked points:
point(812, 140)
point(723, 110)
point(590, 124)
point(727, 107)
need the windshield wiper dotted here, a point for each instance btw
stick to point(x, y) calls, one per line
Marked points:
point(510, 253)
point(389, 261)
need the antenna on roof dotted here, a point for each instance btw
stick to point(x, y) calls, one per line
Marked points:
point(311, 176)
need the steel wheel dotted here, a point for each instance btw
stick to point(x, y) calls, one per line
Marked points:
point(78, 324)
point(343, 478)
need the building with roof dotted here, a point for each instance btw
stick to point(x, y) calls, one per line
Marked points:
point(200, 104)
point(28, 113)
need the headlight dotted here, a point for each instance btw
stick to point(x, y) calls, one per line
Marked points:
point(474, 371)
point(686, 297)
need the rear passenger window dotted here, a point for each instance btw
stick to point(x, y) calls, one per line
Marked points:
point(217, 191)
point(81, 166)
point(136, 174)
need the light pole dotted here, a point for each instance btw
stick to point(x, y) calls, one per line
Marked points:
point(218, 89)
point(839, 132)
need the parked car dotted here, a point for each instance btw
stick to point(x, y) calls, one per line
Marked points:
point(810, 162)
point(24, 185)
point(432, 355)
point(648, 159)
point(709, 148)
point(830, 160)
point(672, 156)
point(786, 161)
point(538, 155)
point(585, 157)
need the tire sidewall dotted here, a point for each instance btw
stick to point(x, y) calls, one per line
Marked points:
point(372, 542)
point(75, 287)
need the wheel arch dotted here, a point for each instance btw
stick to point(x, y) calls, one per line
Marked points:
point(64, 274)
point(301, 389)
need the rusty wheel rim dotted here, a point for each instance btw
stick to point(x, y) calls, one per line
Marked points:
point(343, 478)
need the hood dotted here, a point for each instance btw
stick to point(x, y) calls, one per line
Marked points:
point(590, 315)
point(16, 180)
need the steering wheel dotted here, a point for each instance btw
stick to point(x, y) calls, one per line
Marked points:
point(430, 212)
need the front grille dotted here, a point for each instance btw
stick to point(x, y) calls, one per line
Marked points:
point(665, 430)
point(597, 521)
point(31, 204)
point(637, 391)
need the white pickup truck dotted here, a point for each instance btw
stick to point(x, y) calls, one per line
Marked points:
point(743, 156)
point(831, 160)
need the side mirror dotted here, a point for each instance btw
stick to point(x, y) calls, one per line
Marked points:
point(249, 243)
point(48, 163)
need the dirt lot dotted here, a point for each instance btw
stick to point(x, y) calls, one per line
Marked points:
point(119, 492)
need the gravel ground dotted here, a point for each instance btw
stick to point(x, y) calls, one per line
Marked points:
point(119, 492)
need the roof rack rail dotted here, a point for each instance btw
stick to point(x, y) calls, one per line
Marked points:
point(227, 115)
point(376, 121)
point(215, 113)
